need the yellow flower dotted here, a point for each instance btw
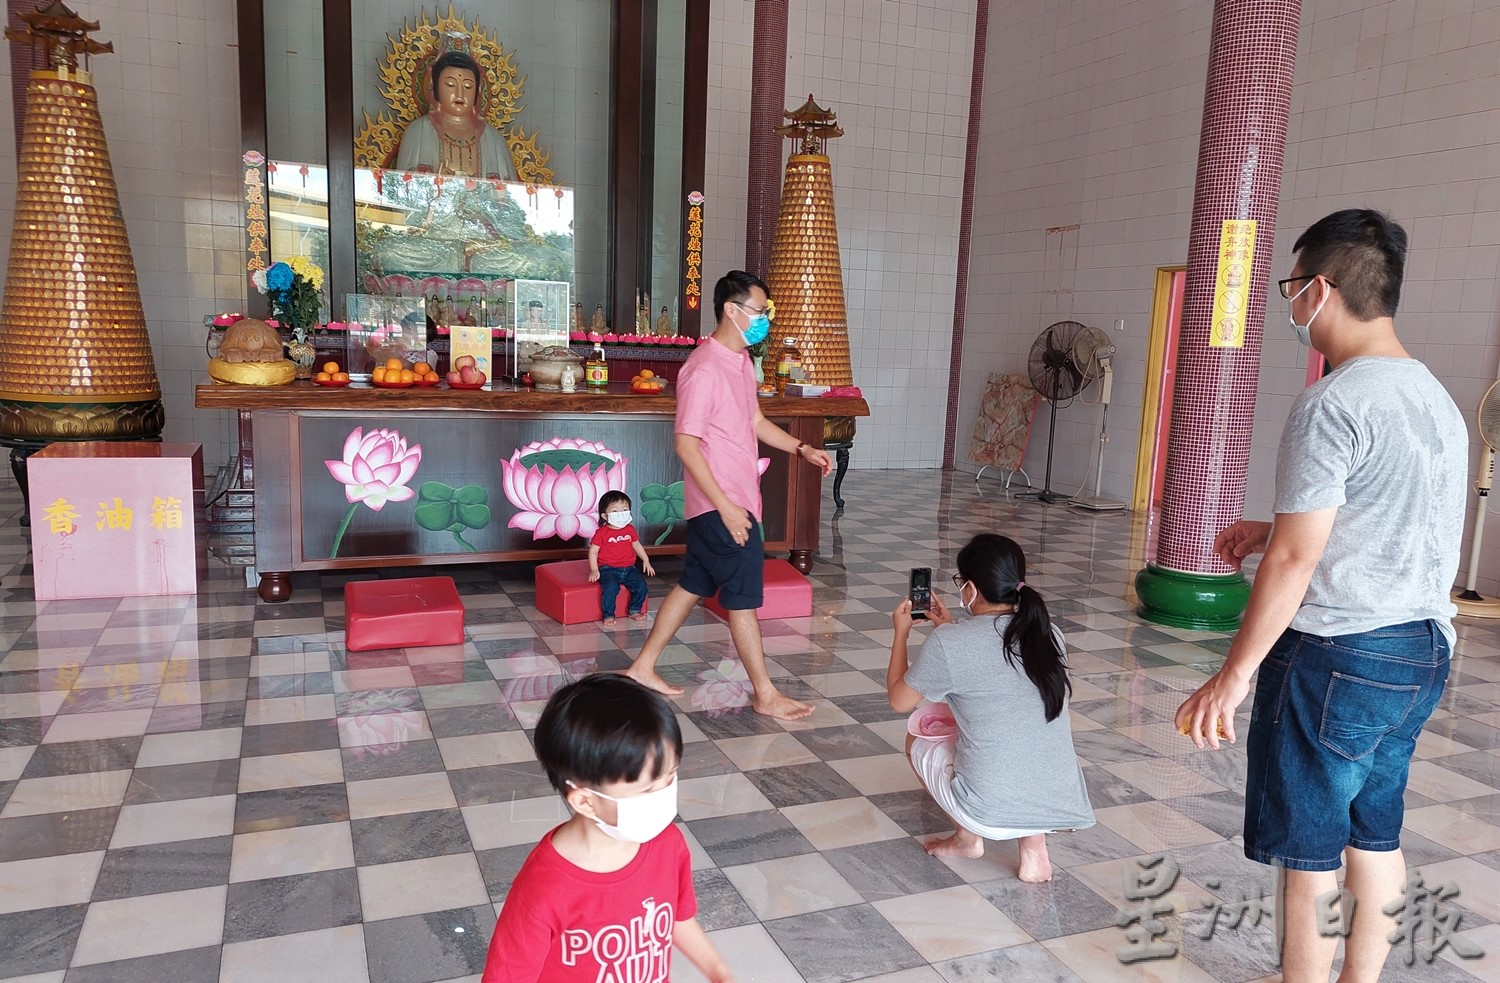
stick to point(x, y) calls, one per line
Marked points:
point(770, 308)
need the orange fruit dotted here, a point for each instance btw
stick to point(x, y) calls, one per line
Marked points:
point(378, 375)
point(323, 377)
point(393, 365)
point(421, 369)
point(330, 367)
point(407, 375)
point(647, 374)
point(341, 377)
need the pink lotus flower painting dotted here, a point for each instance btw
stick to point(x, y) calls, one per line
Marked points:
point(376, 468)
point(555, 486)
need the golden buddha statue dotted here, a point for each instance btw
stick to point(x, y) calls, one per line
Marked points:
point(453, 138)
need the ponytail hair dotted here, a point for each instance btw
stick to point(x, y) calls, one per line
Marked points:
point(996, 567)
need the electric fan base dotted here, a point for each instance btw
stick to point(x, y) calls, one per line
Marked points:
point(1488, 607)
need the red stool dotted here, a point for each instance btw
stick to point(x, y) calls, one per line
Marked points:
point(408, 613)
point(564, 594)
point(788, 594)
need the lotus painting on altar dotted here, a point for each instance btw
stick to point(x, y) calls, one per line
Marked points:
point(555, 486)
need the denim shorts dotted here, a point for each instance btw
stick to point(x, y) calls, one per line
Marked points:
point(716, 564)
point(1332, 731)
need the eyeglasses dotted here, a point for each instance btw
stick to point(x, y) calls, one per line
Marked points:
point(958, 580)
point(757, 311)
point(1288, 293)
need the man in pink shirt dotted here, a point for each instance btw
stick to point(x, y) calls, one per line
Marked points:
point(719, 432)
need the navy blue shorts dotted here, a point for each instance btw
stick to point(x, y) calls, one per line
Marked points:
point(717, 564)
point(1332, 732)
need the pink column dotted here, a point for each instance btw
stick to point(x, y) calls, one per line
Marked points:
point(1252, 53)
point(767, 103)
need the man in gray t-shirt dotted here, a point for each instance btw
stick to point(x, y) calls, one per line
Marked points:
point(1348, 622)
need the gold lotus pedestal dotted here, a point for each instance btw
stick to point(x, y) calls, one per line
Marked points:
point(806, 276)
point(75, 355)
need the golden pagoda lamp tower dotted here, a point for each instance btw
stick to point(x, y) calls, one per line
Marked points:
point(806, 277)
point(75, 353)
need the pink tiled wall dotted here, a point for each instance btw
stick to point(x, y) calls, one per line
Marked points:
point(170, 100)
point(1091, 116)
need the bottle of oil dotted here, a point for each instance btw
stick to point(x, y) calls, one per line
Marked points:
point(788, 365)
point(596, 371)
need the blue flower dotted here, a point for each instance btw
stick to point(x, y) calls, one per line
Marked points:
point(279, 277)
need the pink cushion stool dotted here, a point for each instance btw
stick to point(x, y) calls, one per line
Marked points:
point(788, 594)
point(564, 594)
point(407, 613)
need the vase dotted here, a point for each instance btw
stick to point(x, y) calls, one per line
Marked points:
point(760, 373)
point(303, 355)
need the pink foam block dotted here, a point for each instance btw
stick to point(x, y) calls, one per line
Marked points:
point(409, 613)
point(564, 594)
point(787, 594)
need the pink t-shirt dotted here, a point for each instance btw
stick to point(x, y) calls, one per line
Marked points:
point(716, 403)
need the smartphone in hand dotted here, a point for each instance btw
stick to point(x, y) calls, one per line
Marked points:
point(919, 590)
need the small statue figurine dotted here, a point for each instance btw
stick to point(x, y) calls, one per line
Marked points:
point(599, 322)
point(664, 325)
point(578, 324)
point(569, 379)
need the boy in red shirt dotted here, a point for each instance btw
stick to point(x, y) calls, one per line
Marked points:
point(609, 893)
point(612, 554)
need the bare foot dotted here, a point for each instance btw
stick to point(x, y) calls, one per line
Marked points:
point(638, 616)
point(609, 622)
point(782, 707)
point(961, 844)
point(650, 679)
point(1035, 867)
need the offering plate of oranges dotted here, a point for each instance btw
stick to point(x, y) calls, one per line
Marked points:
point(395, 374)
point(647, 383)
point(331, 375)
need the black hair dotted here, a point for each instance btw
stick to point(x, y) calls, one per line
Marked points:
point(1363, 253)
point(605, 728)
point(734, 288)
point(610, 498)
point(453, 59)
point(996, 567)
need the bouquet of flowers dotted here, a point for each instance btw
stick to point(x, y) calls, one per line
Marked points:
point(294, 290)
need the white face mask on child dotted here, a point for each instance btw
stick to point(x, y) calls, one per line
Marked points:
point(639, 818)
point(618, 520)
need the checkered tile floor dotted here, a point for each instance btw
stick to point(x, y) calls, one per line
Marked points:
point(210, 788)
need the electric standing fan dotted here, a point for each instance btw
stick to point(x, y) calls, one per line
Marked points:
point(1056, 375)
point(1092, 352)
point(1470, 603)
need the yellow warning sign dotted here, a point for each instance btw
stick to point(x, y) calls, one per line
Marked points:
point(1232, 286)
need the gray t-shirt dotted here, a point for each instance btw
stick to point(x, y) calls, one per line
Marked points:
point(1380, 440)
point(1012, 768)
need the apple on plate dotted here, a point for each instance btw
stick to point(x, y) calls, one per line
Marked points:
point(464, 362)
point(468, 375)
point(454, 377)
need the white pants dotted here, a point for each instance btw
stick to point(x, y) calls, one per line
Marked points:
point(933, 762)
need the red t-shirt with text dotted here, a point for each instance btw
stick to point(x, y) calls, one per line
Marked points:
point(615, 546)
point(563, 924)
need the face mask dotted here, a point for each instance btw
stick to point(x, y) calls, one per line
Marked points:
point(640, 818)
point(619, 520)
point(757, 330)
point(968, 606)
point(1304, 331)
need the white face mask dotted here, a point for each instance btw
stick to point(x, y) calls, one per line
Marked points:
point(618, 520)
point(968, 606)
point(1304, 331)
point(639, 818)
